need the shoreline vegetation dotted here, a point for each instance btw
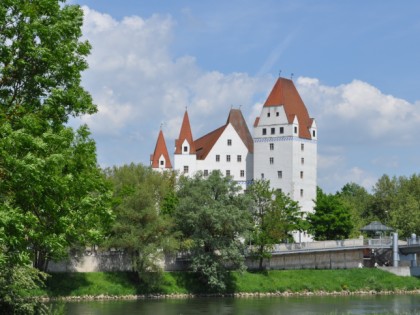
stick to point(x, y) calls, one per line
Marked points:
point(183, 285)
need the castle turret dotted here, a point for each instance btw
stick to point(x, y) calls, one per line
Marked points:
point(160, 160)
point(185, 156)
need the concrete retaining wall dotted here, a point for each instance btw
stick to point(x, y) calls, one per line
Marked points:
point(314, 260)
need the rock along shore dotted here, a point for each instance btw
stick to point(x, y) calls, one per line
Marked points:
point(104, 297)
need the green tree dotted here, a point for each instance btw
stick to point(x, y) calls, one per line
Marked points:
point(385, 194)
point(140, 227)
point(48, 172)
point(331, 219)
point(212, 216)
point(275, 216)
point(359, 202)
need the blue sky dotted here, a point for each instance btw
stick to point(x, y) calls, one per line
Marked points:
point(356, 65)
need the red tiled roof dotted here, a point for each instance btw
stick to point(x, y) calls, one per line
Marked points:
point(159, 150)
point(238, 122)
point(284, 93)
point(205, 144)
point(185, 134)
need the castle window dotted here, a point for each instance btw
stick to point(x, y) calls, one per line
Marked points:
point(302, 147)
point(302, 161)
point(313, 133)
point(273, 131)
point(239, 158)
point(280, 174)
point(277, 114)
point(301, 174)
point(264, 131)
point(185, 148)
point(271, 160)
point(271, 146)
point(206, 172)
point(217, 158)
point(242, 173)
point(281, 130)
point(227, 158)
point(227, 172)
point(229, 142)
point(301, 192)
point(268, 114)
point(295, 129)
point(186, 169)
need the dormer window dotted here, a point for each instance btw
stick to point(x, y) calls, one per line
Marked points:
point(162, 162)
point(313, 133)
point(295, 129)
point(185, 148)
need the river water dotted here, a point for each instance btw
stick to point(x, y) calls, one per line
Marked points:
point(387, 304)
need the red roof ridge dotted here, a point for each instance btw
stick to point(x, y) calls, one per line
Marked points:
point(185, 134)
point(205, 143)
point(160, 149)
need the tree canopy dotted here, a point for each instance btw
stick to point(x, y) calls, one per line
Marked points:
point(51, 187)
point(140, 228)
point(331, 219)
point(212, 216)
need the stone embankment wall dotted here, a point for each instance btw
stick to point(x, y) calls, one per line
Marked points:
point(338, 259)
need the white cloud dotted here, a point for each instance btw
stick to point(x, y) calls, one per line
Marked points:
point(360, 112)
point(132, 58)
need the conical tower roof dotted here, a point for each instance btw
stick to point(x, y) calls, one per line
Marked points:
point(185, 134)
point(160, 150)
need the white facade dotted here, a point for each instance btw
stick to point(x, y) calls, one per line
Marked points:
point(186, 162)
point(231, 156)
point(227, 153)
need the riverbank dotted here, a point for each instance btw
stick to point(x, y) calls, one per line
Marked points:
point(123, 285)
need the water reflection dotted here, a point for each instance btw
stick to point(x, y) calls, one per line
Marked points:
point(264, 306)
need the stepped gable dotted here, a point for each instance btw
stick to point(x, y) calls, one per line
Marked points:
point(160, 150)
point(185, 134)
point(204, 144)
point(238, 122)
point(284, 93)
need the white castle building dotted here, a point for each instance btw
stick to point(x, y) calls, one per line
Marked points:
point(282, 150)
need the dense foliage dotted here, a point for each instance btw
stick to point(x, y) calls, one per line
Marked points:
point(212, 216)
point(140, 228)
point(331, 219)
point(52, 192)
point(394, 201)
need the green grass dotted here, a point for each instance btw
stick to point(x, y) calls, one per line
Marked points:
point(123, 283)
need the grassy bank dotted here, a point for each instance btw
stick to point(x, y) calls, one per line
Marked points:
point(120, 284)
